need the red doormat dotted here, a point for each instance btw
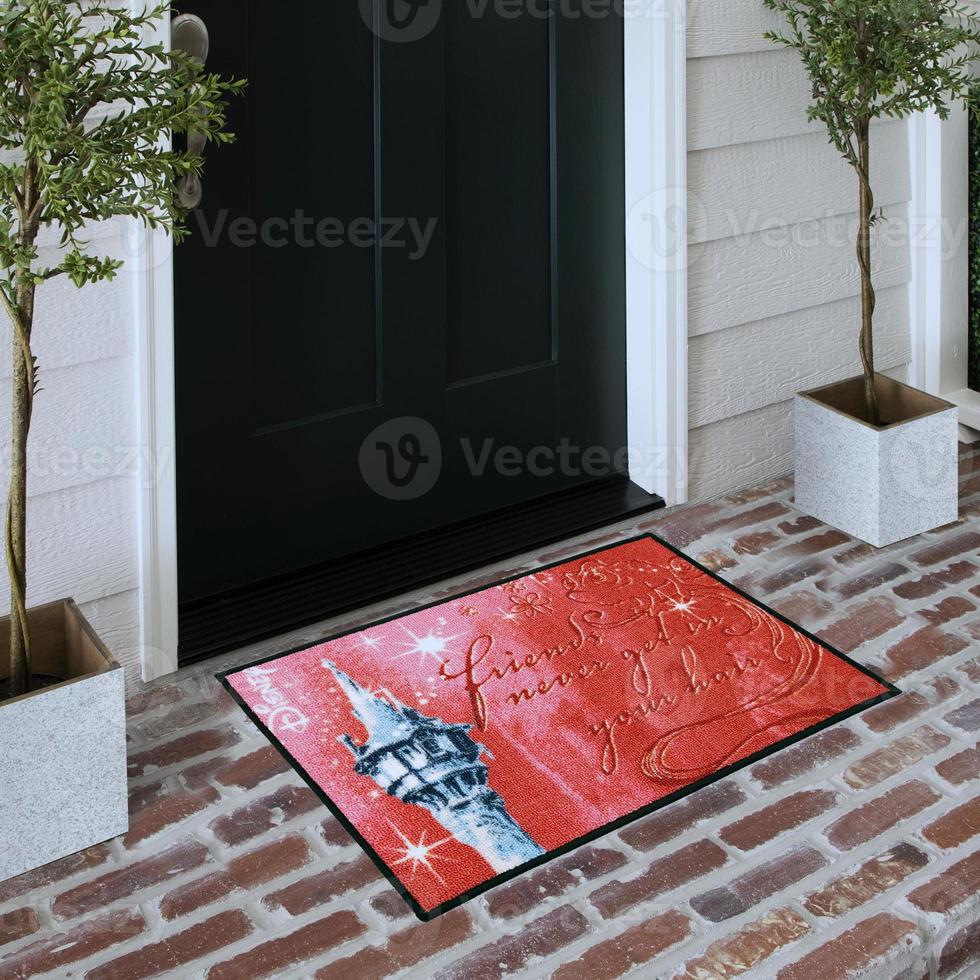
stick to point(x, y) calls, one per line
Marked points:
point(469, 741)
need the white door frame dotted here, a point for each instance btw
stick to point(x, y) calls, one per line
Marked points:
point(939, 290)
point(656, 193)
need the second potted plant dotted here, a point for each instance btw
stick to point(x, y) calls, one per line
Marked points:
point(875, 457)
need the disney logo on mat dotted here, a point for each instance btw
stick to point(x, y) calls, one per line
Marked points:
point(275, 709)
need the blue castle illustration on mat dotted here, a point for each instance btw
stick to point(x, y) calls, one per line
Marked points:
point(430, 763)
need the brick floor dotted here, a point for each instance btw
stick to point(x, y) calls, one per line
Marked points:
point(868, 863)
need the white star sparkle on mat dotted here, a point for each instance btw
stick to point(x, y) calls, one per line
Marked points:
point(684, 606)
point(430, 645)
point(420, 853)
point(370, 641)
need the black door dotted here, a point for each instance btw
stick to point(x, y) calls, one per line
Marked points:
point(402, 309)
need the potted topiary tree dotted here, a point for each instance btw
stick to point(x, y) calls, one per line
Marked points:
point(875, 457)
point(85, 106)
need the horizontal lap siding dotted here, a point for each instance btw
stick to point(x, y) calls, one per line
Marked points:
point(773, 283)
point(83, 480)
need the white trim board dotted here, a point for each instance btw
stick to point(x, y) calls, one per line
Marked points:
point(154, 317)
point(656, 299)
point(939, 289)
point(657, 240)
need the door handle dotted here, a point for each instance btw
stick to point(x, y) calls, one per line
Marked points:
point(188, 33)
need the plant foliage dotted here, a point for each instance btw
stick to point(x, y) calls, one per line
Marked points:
point(86, 109)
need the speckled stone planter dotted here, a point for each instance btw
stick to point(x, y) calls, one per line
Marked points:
point(62, 748)
point(881, 485)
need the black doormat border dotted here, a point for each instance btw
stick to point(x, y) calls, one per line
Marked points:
point(892, 691)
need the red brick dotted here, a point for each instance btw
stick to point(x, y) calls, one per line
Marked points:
point(865, 621)
point(946, 611)
point(165, 814)
point(763, 491)
point(816, 543)
point(129, 880)
point(971, 668)
point(275, 859)
point(793, 575)
point(666, 824)
point(200, 775)
point(716, 560)
point(956, 827)
point(763, 825)
point(196, 895)
point(142, 796)
point(874, 818)
point(869, 581)
point(554, 878)
point(962, 767)
point(873, 878)
point(943, 688)
point(390, 905)
point(760, 883)
point(332, 832)
point(748, 948)
point(632, 947)
point(60, 870)
point(803, 608)
point(755, 544)
point(949, 547)
point(177, 950)
point(542, 937)
point(929, 585)
point(966, 718)
point(58, 951)
point(961, 950)
point(879, 938)
point(265, 814)
point(901, 754)
point(922, 649)
point(307, 893)
point(252, 769)
point(958, 885)
point(156, 698)
point(898, 711)
point(181, 749)
point(18, 924)
point(661, 876)
point(800, 526)
point(403, 950)
point(682, 528)
point(179, 719)
point(290, 951)
point(806, 756)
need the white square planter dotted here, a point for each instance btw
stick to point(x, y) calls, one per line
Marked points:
point(878, 484)
point(62, 748)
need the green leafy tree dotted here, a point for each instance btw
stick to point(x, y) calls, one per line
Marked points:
point(872, 58)
point(85, 107)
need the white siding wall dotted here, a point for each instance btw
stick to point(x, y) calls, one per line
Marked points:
point(773, 280)
point(84, 478)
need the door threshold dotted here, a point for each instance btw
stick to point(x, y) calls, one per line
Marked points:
point(230, 620)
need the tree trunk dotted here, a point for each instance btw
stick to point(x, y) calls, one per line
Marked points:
point(868, 300)
point(16, 528)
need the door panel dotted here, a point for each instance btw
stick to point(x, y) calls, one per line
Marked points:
point(499, 137)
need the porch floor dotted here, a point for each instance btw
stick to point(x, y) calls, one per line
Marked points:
point(854, 853)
